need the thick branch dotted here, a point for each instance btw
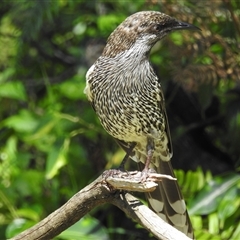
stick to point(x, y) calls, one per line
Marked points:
point(79, 205)
point(95, 194)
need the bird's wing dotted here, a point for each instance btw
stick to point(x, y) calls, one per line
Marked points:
point(167, 200)
point(162, 110)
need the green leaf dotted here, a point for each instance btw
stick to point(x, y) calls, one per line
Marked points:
point(190, 182)
point(208, 199)
point(204, 235)
point(107, 23)
point(213, 223)
point(236, 233)
point(206, 60)
point(24, 121)
point(6, 74)
point(10, 148)
point(14, 90)
point(28, 213)
point(56, 159)
point(80, 28)
point(227, 206)
point(43, 127)
point(73, 89)
point(177, 38)
point(17, 226)
point(88, 228)
point(197, 222)
point(216, 48)
point(29, 184)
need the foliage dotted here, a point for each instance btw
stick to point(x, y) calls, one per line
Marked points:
point(51, 143)
point(215, 207)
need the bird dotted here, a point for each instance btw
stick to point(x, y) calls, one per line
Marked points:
point(127, 96)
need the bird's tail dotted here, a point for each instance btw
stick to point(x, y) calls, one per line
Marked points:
point(167, 201)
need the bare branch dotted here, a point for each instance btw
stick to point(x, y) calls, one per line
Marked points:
point(148, 219)
point(93, 195)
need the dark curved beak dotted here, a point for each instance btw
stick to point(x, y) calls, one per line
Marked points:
point(183, 25)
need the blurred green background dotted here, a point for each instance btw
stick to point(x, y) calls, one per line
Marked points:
point(51, 142)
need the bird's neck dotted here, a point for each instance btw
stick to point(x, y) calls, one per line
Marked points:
point(136, 57)
point(132, 64)
point(140, 47)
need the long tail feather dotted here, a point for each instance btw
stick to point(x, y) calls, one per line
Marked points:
point(167, 201)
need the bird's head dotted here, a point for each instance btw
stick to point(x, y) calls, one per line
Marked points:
point(142, 28)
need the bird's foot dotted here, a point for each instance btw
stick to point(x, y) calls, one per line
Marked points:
point(145, 174)
point(117, 173)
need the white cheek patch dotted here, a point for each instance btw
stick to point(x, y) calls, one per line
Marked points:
point(90, 70)
point(87, 88)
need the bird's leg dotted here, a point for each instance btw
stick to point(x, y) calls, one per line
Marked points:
point(119, 171)
point(128, 153)
point(150, 151)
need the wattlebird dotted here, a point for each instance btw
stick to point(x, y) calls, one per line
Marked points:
point(127, 96)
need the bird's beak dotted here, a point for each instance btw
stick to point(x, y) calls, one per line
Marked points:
point(183, 25)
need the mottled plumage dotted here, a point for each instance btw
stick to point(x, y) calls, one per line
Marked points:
point(126, 94)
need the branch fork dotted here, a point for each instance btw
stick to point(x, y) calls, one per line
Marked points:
point(97, 193)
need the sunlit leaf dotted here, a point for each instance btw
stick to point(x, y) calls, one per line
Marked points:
point(229, 204)
point(80, 28)
point(177, 38)
point(43, 127)
point(18, 226)
point(204, 235)
point(208, 199)
point(227, 232)
point(6, 74)
point(236, 232)
point(24, 121)
point(73, 89)
point(197, 222)
point(213, 223)
point(29, 214)
point(109, 22)
point(14, 90)
point(56, 159)
point(88, 228)
point(26, 186)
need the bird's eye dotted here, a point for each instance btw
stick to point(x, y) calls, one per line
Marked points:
point(158, 27)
